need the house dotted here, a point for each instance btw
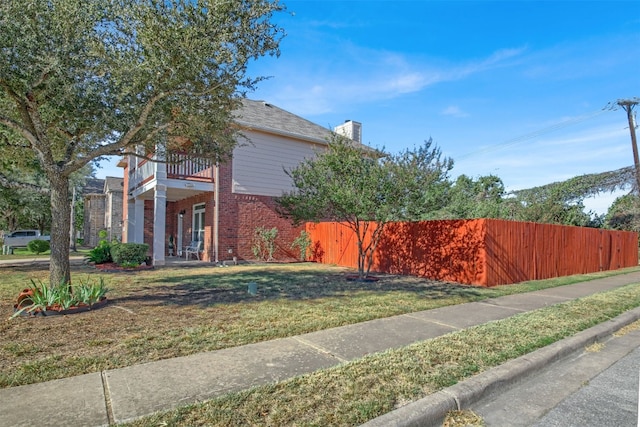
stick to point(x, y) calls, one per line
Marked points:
point(221, 205)
point(102, 209)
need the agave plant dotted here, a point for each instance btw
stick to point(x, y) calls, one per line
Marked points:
point(90, 293)
point(63, 297)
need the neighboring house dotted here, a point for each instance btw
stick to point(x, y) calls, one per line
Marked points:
point(222, 205)
point(103, 210)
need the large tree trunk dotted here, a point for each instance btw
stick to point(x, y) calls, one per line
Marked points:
point(59, 269)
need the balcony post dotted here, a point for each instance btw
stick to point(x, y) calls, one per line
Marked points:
point(159, 223)
point(131, 223)
point(138, 222)
point(160, 166)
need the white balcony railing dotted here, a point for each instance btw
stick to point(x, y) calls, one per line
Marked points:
point(178, 166)
point(183, 166)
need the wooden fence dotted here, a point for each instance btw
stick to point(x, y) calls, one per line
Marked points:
point(484, 252)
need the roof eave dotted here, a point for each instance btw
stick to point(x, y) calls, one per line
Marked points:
point(251, 127)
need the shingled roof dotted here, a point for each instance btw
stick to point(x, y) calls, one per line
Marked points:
point(260, 115)
point(93, 186)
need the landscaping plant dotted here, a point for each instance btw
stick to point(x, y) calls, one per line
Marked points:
point(101, 253)
point(264, 243)
point(302, 243)
point(44, 297)
point(38, 246)
point(129, 254)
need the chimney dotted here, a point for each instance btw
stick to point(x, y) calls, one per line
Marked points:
point(350, 129)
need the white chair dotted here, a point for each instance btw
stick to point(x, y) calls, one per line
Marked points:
point(193, 248)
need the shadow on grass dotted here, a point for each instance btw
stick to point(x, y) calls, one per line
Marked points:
point(273, 284)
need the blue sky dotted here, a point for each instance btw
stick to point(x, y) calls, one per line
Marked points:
point(510, 88)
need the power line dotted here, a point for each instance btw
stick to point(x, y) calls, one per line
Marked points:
point(534, 134)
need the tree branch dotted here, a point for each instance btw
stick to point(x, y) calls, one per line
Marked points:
point(6, 182)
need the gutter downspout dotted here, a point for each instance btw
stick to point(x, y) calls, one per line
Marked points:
point(216, 212)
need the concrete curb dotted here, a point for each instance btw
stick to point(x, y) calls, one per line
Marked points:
point(432, 410)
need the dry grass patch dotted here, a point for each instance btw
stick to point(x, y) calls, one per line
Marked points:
point(172, 312)
point(594, 348)
point(629, 328)
point(463, 419)
point(355, 392)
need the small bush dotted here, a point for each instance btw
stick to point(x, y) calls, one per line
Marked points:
point(38, 246)
point(101, 253)
point(129, 253)
point(264, 243)
point(302, 243)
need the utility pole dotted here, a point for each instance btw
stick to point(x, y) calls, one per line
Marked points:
point(628, 106)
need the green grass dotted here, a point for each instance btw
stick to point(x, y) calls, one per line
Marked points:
point(171, 312)
point(24, 253)
point(355, 392)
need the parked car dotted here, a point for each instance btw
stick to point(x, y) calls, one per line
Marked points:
point(20, 239)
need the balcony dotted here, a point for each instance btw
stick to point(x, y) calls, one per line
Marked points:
point(181, 171)
point(183, 166)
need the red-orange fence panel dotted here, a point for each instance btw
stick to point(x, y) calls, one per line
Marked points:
point(484, 252)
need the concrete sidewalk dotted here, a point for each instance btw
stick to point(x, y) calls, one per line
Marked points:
point(73, 259)
point(120, 395)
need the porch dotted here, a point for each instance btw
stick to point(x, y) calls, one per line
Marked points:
point(167, 196)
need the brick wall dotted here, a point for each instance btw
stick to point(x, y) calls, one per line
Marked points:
point(240, 215)
point(114, 214)
point(94, 208)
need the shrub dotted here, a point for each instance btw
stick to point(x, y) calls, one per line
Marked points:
point(264, 243)
point(101, 253)
point(38, 246)
point(129, 253)
point(303, 243)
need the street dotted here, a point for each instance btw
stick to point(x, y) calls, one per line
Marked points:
point(597, 387)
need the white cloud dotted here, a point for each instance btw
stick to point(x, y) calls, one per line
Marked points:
point(454, 111)
point(357, 75)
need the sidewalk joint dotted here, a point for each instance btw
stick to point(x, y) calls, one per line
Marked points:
point(320, 349)
point(410, 315)
point(107, 398)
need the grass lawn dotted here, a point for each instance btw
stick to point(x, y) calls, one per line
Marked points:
point(355, 392)
point(176, 311)
point(24, 253)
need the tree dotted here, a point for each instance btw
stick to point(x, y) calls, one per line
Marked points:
point(624, 213)
point(481, 198)
point(366, 189)
point(80, 80)
point(557, 205)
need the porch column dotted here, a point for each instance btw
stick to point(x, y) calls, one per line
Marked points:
point(159, 223)
point(179, 232)
point(138, 221)
point(131, 221)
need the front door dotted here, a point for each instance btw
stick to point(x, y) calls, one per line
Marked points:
point(198, 222)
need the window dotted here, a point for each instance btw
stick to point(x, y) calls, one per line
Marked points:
point(198, 222)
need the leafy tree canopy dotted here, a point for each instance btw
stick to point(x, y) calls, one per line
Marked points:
point(580, 187)
point(82, 79)
point(475, 198)
point(367, 189)
point(624, 213)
